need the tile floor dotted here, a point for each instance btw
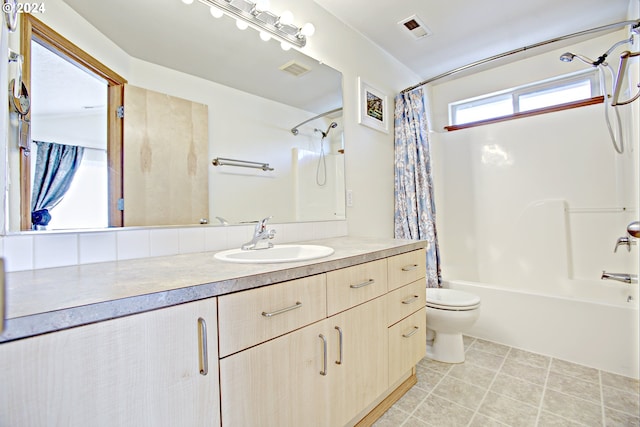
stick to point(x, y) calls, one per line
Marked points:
point(503, 386)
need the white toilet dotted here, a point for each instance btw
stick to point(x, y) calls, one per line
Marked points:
point(449, 313)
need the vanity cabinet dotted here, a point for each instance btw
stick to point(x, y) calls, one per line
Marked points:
point(321, 375)
point(142, 370)
point(330, 370)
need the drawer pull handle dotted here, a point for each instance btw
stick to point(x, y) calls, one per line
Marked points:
point(411, 300)
point(363, 284)
point(282, 310)
point(324, 355)
point(413, 331)
point(409, 267)
point(339, 362)
point(202, 343)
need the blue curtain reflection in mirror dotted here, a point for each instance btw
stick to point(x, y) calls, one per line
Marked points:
point(56, 165)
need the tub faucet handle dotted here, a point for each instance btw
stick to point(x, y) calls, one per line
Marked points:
point(626, 241)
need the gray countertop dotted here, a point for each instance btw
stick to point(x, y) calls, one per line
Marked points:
point(48, 300)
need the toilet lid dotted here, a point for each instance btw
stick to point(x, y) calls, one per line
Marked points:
point(451, 298)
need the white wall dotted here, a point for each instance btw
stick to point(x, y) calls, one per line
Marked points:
point(85, 130)
point(534, 201)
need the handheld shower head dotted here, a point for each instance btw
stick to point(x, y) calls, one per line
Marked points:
point(568, 57)
point(332, 125)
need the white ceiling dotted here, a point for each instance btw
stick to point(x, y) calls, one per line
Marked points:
point(463, 32)
point(466, 31)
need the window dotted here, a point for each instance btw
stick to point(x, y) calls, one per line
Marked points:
point(562, 90)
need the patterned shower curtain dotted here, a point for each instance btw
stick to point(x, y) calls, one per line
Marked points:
point(415, 211)
point(56, 165)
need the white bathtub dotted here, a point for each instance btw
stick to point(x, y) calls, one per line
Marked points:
point(598, 328)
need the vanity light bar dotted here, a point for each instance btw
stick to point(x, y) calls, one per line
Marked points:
point(261, 20)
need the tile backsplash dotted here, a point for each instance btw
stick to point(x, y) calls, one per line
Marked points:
point(36, 250)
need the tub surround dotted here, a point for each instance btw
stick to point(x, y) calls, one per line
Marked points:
point(48, 300)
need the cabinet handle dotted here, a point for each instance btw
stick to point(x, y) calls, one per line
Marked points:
point(413, 331)
point(202, 344)
point(282, 310)
point(411, 300)
point(409, 267)
point(339, 362)
point(324, 355)
point(363, 284)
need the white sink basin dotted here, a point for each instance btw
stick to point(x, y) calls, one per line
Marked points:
point(278, 253)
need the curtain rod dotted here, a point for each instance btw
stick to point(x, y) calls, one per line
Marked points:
point(294, 130)
point(522, 49)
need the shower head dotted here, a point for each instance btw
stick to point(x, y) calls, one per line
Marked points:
point(568, 57)
point(332, 125)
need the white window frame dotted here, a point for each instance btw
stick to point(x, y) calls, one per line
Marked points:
point(515, 93)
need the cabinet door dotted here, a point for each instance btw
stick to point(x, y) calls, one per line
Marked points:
point(282, 382)
point(407, 344)
point(140, 370)
point(359, 372)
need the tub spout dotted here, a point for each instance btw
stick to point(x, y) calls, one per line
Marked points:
point(620, 277)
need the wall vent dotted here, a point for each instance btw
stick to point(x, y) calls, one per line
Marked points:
point(295, 68)
point(416, 27)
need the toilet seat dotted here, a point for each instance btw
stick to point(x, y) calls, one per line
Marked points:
point(451, 299)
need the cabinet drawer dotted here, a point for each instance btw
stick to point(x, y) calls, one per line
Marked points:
point(407, 344)
point(405, 300)
point(251, 317)
point(351, 286)
point(406, 268)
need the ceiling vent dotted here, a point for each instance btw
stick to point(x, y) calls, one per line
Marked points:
point(415, 26)
point(295, 68)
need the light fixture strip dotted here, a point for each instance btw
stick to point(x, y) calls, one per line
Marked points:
point(298, 40)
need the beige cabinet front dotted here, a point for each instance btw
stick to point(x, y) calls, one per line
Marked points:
point(321, 375)
point(140, 370)
point(358, 363)
point(407, 344)
point(406, 268)
point(354, 285)
point(250, 317)
point(279, 383)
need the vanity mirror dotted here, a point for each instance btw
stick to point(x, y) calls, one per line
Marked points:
point(253, 92)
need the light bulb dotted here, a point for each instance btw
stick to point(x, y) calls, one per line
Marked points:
point(308, 29)
point(187, 1)
point(285, 46)
point(215, 12)
point(286, 18)
point(241, 25)
point(265, 36)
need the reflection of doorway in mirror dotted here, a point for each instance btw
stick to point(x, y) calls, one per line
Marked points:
point(71, 93)
point(70, 108)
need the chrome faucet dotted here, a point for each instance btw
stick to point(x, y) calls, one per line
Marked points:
point(261, 237)
point(624, 241)
point(620, 277)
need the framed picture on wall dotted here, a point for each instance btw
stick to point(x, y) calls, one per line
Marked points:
point(373, 107)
